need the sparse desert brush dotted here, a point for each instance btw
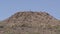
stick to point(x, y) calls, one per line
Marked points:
point(30, 23)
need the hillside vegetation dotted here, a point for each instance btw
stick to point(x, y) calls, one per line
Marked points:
point(30, 23)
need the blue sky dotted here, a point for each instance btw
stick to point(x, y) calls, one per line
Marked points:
point(9, 7)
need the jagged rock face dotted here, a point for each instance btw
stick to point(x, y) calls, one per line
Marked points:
point(31, 23)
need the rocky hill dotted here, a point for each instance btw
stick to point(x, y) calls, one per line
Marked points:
point(30, 23)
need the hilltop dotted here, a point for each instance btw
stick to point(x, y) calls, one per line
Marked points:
point(30, 22)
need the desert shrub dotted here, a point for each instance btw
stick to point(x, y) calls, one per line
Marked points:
point(24, 25)
point(1, 26)
point(9, 31)
point(49, 27)
point(57, 29)
point(32, 33)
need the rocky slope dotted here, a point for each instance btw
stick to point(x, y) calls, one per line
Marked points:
point(30, 23)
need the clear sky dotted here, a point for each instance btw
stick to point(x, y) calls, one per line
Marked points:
point(9, 7)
